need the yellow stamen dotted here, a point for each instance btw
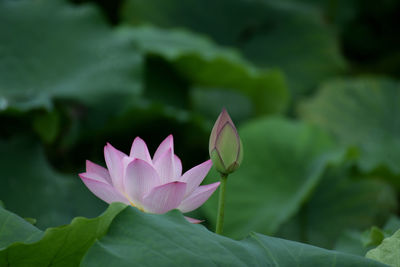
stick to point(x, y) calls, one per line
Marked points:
point(141, 209)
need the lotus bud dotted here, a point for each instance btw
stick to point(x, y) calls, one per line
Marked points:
point(226, 149)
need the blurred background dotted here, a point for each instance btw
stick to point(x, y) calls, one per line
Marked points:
point(311, 85)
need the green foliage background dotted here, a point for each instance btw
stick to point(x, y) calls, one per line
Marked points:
point(311, 85)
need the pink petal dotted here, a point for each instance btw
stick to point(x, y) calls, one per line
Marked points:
point(165, 166)
point(164, 197)
point(168, 143)
point(102, 190)
point(195, 176)
point(198, 197)
point(140, 178)
point(139, 150)
point(97, 172)
point(114, 163)
point(177, 167)
point(192, 220)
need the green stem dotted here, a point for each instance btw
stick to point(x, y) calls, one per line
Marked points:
point(221, 204)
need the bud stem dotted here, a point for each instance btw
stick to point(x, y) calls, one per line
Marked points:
point(221, 204)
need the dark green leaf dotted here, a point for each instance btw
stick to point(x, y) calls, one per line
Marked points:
point(357, 242)
point(287, 35)
point(363, 113)
point(339, 203)
point(32, 221)
point(372, 237)
point(47, 125)
point(139, 239)
point(60, 246)
point(31, 188)
point(350, 242)
point(203, 63)
point(54, 50)
point(392, 225)
point(15, 229)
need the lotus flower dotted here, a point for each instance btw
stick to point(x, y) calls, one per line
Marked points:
point(225, 147)
point(154, 185)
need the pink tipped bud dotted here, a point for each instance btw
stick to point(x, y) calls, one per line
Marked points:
point(226, 149)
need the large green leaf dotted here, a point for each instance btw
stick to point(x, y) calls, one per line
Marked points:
point(357, 21)
point(291, 36)
point(341, 202)
point(201, 62)
point(55, 50)
point(388, 251)
point(177, 62)
point(357, 242)
point(139, 239)
point(339, 13)
point(61, 246)
point(15, 229)
point(351, 242)
point(283, 162)
point(363, 113)
point(31, 188)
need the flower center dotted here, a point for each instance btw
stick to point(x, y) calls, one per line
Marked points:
point(133, 205)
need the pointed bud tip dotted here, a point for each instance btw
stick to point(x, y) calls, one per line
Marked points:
point(224, 118)
point(225, 146)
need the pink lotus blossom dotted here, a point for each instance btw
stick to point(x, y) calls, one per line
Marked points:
point(154, 185)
